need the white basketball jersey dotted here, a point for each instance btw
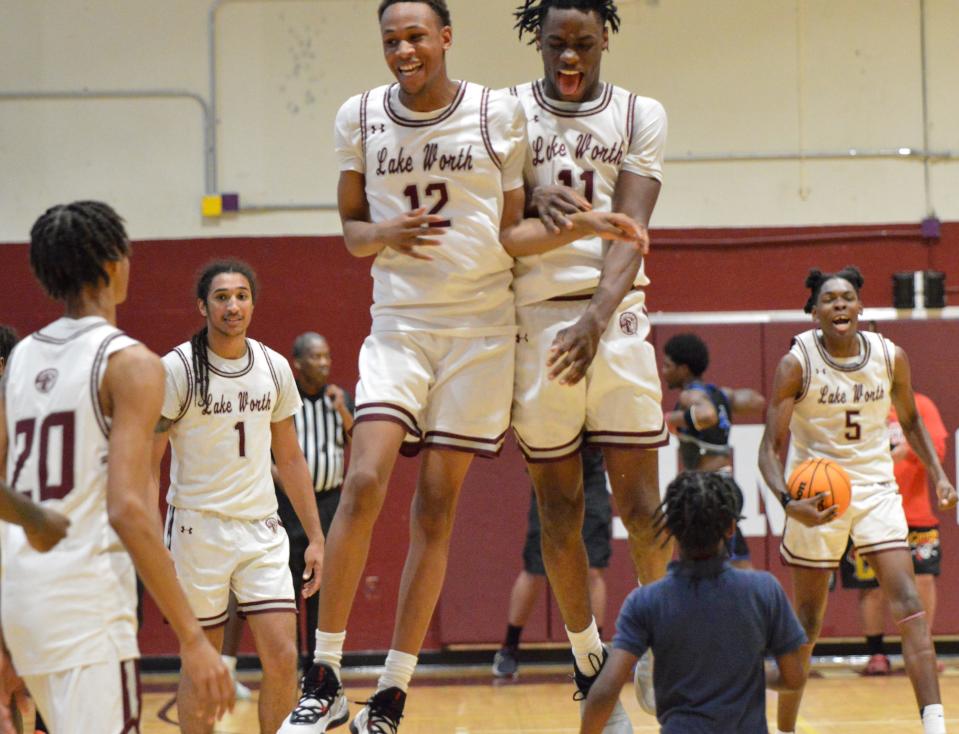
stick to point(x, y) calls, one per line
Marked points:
point(842, 410)
point(75, 605)
point(221, 444)
point(584, 146)
point(455, 162)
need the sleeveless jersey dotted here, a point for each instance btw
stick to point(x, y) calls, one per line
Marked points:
point(693, 443)
point(221, 444)
point(75, 605)
point(455, 162)
point(584, 146)
point(841, 410)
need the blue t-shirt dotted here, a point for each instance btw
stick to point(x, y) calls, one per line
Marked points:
point(710, 626)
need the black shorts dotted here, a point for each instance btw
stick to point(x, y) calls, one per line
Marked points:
point(326, 504)
point(597, 520)
point(856, 573)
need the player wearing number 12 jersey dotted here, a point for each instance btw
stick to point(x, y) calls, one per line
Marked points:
point(80, 398)
point(229, 404)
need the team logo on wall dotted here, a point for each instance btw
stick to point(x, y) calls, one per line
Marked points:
point(629, 323)
point(45, 380)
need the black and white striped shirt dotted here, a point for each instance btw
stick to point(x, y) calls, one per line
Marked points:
point(319, 430)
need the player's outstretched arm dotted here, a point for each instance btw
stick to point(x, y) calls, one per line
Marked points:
point(44, 527)
point(296, 482)
point(787, 384)
point(404, 233)
point(605, 690)
point(915, 431)
point(132, 393)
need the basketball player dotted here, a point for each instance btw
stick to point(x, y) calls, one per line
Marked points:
point(703, 417)
point(703, 604)
point(79, 402)
point(584, 370)
point(436, 372)
point(229, 404)
point(832, 392)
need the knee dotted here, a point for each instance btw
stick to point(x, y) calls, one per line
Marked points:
point(905, 604)
point(433, 514)
point(362, 496)
point(810, 617)
point(279, 659)
point(561, 518)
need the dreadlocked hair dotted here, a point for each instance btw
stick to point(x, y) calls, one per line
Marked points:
point(817, 278)
point(198, 342)
point(438, 7)
point(698, 510)
point(531, 14)
point(689, 350)
point(70, 243)
point(8, 340)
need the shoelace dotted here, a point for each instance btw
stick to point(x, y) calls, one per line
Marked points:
point(310, 713)
point(596, 662)
point(381, 719)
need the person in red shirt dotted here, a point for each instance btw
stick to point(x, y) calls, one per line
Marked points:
point(923, 536)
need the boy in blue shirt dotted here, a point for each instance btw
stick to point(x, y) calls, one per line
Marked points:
point(708, 624)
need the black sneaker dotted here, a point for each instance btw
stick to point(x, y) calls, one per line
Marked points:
point(322, 704)
point(618, 721)
point(506, 663)
point(381, 714)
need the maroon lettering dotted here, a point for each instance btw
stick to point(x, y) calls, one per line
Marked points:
point(388, 165)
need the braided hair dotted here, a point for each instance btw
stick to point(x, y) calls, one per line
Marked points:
point(438, 7)
point(198, 342)
point(531, 14)
point(689, 350)
point(698, 510)
point(817, 278)
point(70, 243)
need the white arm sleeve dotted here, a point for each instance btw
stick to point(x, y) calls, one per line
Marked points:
point(648, 144)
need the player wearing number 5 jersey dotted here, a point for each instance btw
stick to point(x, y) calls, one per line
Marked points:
point(832, 392)
point(79, 402)
point(229, 403)
point(431, 184)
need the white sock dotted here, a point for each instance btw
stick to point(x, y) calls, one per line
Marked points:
point(398, 672)
point(230, 662)
point(587, 648)
point(933, 719)
point(329, 649)
point(780, 731)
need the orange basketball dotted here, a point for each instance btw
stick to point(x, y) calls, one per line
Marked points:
point(815, 476)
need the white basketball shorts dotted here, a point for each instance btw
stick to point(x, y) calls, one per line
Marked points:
point(617, 403)
point(102, 698)
point(875, 520)
point(447, 392)
point(214, 554)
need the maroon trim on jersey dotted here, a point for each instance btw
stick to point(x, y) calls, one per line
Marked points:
point(484, 128)
point(803, 562)
point(440, 446)
point(95, 383)
point(269, 363)
point(168, 530)
point(131, 718)
point(604, 99)
point(888, 545)
point(514, 91)
point(806, 371)
point(40, 336)
point(410, 424)
point(533, 453)
point(246, 369)
point(241, 604)
point(269, 610)
point(530, 459)
point(476, 439)
point(885, 355)
point(364, 100)
point(866, 352)
point(407, 122)
point(190, 384)
point(589, 296)
point(631, 119)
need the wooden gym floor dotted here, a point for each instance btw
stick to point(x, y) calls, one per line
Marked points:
point(458, 701)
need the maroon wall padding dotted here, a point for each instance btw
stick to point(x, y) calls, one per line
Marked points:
point(313, 283)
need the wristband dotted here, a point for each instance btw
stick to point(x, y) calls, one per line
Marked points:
point(785, 498)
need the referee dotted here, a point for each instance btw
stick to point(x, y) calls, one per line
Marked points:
point(322, 428)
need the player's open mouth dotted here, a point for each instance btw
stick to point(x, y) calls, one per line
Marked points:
point(569, 82)
point(409, 69)
point(841, 321)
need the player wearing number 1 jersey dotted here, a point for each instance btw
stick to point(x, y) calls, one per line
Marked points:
point(229, 404)
point(832, 392)
point(79, 401)
point(584, 370)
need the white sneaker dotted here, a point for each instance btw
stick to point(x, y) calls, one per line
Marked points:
point(643, 683)
point(242, 692)
point(322, 704)
point(381, 714)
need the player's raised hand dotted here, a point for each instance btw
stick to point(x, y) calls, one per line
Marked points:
point(313, 568)
point(572, 351)
point(810, 512)
point(614, 226)
point(50, 529)
point(946, 493)
point(554, 204)
point(208, 680)
point(410, 231)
